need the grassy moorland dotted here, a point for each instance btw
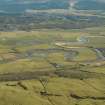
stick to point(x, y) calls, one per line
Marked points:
point(53, 67)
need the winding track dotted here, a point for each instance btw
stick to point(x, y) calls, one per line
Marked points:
point(99, 54)
point(85, 40)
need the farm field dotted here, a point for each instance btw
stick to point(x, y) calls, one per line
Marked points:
point(53, 67)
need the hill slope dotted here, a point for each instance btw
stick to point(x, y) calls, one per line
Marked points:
point(90, 5)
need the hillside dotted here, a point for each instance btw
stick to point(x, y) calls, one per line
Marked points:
point(52, 52)
point(20, 6)
point(90, 5)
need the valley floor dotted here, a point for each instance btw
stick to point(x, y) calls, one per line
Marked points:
point(53, 67)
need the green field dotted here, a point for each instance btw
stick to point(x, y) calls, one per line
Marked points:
point(52, 67)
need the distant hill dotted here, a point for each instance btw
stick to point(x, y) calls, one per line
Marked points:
point(18, 6)
point(22, 5)
point(90, 5)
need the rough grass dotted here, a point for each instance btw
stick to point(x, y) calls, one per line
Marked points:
point(15, 57)
point(85, 54)
point(59, 90)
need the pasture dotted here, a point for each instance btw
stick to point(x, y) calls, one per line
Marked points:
point(52, 67)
